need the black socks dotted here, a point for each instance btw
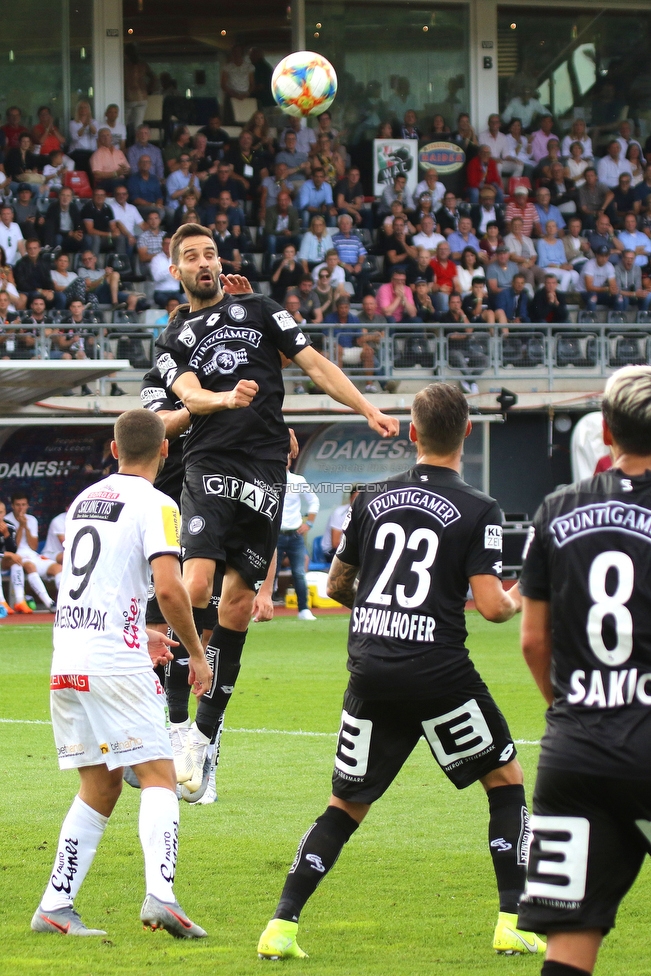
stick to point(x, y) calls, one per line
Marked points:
point(224, 653)
point(561, 969)
point(177, 689)
point(508, 837)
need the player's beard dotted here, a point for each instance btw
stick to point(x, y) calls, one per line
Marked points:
point(194, 287)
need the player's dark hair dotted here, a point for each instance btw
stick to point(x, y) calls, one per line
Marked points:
point(440, 415)
point(627, 409)
point(139, 435)
point(184, 231)
point(17, 496)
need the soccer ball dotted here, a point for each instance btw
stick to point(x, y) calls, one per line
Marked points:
point(304, 83)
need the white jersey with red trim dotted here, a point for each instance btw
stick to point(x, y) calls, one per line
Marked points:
point(114, 529)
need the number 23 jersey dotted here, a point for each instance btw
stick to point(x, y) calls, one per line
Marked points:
point(113, 531)
point(417, 540)
point(589, 553)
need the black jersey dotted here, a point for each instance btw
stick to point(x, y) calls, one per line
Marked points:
point(589, 554)
point(8, 542)
point(155, 396)
point(236, 339)
point(417, 540)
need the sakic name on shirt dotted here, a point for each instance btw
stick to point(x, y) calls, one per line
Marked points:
point(610, 689)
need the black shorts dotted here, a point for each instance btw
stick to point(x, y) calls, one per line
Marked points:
point(589, 837)
point(465, 730)
point(155, 616)
point(231, 512)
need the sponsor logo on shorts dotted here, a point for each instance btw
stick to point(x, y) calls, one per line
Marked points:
point(237, 313)
point(132, 744)
point(151, 394)
point(80, 618)
point(196, 525)
point(187, 337)
point(104, 748)
point(226, 361)
point(65, 752)
point(77, 681)
point(284, 320)
point(256, 559)
point(259, 499)
point(493, 537)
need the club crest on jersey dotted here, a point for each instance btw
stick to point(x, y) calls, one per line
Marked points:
point(187, 337)
point(225, 360)
point(237, 312)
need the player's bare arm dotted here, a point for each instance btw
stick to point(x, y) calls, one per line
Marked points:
point(333, 381)
point(536, 640)
point(199, 401)
point(342, 585)
point(176, 422)
point(175, 605)
point(492, 601)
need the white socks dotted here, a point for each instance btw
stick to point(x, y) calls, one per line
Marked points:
point(158, 827)
point(57, 581)
point(81, 833)
point(17, 576)
point(34, 581)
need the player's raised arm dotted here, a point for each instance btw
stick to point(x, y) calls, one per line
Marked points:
point(492, 601)
point(334, 382)
point(199, 401)
point(536, 639)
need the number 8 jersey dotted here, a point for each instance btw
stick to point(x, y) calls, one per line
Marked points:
point(589, 552)
point(417, 541)
point(113, 531)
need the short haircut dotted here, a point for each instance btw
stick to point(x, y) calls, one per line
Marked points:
point(519, 274)
point(185, 231)
point(627, 408)
point(18, 495)
point(332, 252)
point(139, 435)
point(440, 415)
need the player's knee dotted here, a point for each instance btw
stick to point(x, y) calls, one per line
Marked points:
point(235, 609)
point(29, 567)
point(509, 775)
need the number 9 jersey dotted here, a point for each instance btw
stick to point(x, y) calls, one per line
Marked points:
point(114, 529)
point(589, 553)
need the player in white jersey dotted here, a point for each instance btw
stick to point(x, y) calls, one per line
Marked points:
point(56, 533)
point(107, 705)
point(36, 566)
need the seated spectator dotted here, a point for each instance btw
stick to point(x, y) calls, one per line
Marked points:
point(423, 209)
point(219, 182)
point(634, 240)
point(83, 136)
point(108, 164)
point(370, 314)
point(74, 340)
point(432, 185)
point(270, 188)
point(22, 163)
point(540, 138)
point(349, 198)
point(500, 274)
point(463, 238)
point(57, 166)
point(642, 190)
point(218, 140)
point(151, 240)
point(468, 268)
point(297, 162)
point(513, 300)
point(547, 304)
point(33, 278)
point(13, 127)
point(551, 258)
point(445, 271)
point(421, 267)
point(623, 201)
point(309, 301)
point(603, 234)
point(11, 238)
point(325, 292)
point(179, 181)
point(465, 136)
point(117, 129)
point(248, 164)
point(523, 252)
point(355, 347)
point(170, 308)
point(425, 309)
point(203, 162)
point(7, 281)
point(495, 140)
point(612, 165)
point(331, 264)
point(475, 305)
point(598, 281)
point(395, 191)
point(145, 190)
point(315, 197)
point(22, 343)
point(577, 248)
point(105, 284)
point(26, 211)
point(143, 147)
point(576, 164)
point(127, 217)
point(524, 106)
point(293, 306)
point(395, 299)
point(594, 198)
point(482, 171)
point(490, 242)
point(427, 237)
point(563, 192)
point(235, 214)
point(282, 226)
point(516, 160)
point(521, 206)
point(351, 253)
point(285, 273)
point(543, 170)
point(485, 211)
point(628, 276)
point(398, 247)
point(448, 216)
point(179, 146)
point(8, 313)
point(625, 137)
point(386, 229)
point(578, 133)
point(321, 155)
point(101, 232)
point(227, 249)
point(637, 161)
point(547, 211)
point(165, 286)
point(408, 129)
point(69, 284)
point(188, 203)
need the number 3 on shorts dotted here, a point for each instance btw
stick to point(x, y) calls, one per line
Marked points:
point(558, 858)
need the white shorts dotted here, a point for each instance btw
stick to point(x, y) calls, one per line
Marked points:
point(118, 720)
point(351, 355)
point(42, 563)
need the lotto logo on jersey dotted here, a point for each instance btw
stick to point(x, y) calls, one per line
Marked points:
point(171, 524)
point(284, 320)
point(493, 537)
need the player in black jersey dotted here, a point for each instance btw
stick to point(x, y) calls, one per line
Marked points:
point(225, 366)
point(415, 544)
point(586, 636)
point(9, 560)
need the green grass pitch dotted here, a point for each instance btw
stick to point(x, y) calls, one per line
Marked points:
point(412, 894)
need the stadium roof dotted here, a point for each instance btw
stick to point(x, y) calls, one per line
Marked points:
point(23, 382)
